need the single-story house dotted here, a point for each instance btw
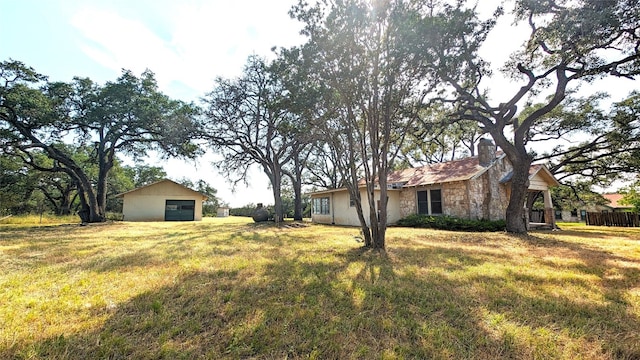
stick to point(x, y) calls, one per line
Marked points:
point(577, 215)
point(164, 200)
point(614, 204)
point(476, 187)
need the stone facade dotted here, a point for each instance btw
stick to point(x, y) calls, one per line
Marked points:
point(470, 188)
point(495, 193)
point(455, 196)
point(477, 198)
point(408, 203)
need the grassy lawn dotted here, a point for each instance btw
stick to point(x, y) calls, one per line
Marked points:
point(228, 288)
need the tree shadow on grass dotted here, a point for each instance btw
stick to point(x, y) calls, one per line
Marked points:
point(298, 309)
point(599, 305)
point(627, 233)
point(423, 302)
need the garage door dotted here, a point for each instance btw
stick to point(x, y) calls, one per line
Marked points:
point(179, 210)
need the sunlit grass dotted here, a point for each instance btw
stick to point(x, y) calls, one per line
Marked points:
point(36, 220)
point(228, 288)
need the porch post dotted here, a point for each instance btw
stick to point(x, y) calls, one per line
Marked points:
point(549, 214)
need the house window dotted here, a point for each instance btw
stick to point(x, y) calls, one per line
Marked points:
point(574, 213)
point(321, 206)
point(430, 202)
point(423, 203)
point(436, 201)
point(559, 214)
point(352, 201)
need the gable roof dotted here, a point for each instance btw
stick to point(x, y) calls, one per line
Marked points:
point(536, 169)
point(460, 170)
point(613, 199)
point(544, 172)
point(204, 197)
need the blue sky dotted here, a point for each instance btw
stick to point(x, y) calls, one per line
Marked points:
point(186, 43)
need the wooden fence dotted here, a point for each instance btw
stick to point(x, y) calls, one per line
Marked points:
point(625, 219)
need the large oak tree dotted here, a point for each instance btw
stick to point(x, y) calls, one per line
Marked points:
point(129, 116)
point(248, 121)
point(570, 42)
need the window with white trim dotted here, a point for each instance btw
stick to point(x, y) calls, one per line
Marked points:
point(321, 206)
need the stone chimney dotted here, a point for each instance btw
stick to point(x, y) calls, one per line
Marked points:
point(486, 152)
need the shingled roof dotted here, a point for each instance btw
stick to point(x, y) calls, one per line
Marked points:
point(450, 171)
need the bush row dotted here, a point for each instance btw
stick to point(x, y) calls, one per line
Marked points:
point(451, 223)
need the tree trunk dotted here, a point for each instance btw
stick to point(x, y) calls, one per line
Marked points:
point(296, 180)
point(364, 229)
point(65, 202)
point(277, 207)
point(519, 186)
point(101, 193)
point(105, 163)
point(297, 206)
point(379, 239)
point(275, 176)
point(90, 211)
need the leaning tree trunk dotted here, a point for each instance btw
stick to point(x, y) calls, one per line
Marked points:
point(354, 192)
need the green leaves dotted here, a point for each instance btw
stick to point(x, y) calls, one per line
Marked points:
point(126, 116)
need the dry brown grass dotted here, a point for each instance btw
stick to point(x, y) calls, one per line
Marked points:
point(228, 288)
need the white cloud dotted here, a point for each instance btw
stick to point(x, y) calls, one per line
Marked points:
point(116, 42)
point(196, 42)
point(206, 39)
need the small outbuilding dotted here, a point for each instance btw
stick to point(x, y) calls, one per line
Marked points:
point(222, 212)
point(164, 200)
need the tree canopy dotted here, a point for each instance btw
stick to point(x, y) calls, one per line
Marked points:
point(127, 116)
point(570, 42)
point(248, 122)
point(373, 87)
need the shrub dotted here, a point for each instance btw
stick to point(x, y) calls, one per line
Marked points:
point(451, 223)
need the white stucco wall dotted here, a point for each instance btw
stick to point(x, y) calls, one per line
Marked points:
point(148, 203)
point(341, 213)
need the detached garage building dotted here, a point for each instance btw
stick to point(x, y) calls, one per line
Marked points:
point(164, 200)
